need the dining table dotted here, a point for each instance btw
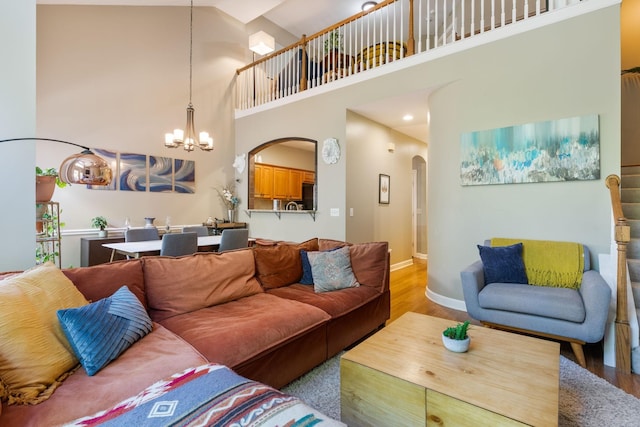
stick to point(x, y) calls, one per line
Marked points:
point(152, 247)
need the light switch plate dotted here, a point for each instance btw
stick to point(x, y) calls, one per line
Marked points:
point(334, 212)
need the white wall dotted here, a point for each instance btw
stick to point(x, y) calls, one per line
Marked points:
point(564, 69)
point(118, 78)
point(17, 119)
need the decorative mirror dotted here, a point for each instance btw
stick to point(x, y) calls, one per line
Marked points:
point(282, 175)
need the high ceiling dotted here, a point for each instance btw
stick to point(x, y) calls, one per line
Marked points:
point(302, 17)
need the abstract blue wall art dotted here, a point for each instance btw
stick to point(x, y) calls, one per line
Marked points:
point(184, 176)
point(110, 157)
point(550, 151)
point(160, 174)
point(133, 172)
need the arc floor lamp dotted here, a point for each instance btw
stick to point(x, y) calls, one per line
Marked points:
point(82, 168)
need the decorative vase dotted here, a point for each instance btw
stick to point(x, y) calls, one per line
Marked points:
point(231, 215)
point(148, 222)
point(457, 346)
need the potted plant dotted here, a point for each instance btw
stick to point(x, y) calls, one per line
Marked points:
point(46, 181)
point(455, 338)
point(101, 223)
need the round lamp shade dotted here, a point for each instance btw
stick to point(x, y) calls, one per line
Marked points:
point(85, 168)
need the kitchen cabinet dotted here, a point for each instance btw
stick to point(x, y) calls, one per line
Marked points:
point(263, 181)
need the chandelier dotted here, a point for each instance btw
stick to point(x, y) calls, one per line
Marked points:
point(187, 138)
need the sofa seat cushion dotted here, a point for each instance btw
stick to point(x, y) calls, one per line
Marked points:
point(335, 303)
point(557, 303)
point(156, 356)
point(237, 331)
point(185, 284)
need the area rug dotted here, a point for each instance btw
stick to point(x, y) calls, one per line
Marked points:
point(585, 399)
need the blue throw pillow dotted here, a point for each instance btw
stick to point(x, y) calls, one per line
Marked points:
point(503, 264)
point(101, 331)
point(307, 277)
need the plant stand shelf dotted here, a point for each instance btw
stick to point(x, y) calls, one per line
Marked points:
point(48, 246)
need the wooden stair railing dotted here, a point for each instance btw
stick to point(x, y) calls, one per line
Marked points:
point(622, 236)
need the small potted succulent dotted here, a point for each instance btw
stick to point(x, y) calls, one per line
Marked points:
point(455, 338)
point(101, 223)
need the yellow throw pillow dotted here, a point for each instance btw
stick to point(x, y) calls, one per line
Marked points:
point(35, 354)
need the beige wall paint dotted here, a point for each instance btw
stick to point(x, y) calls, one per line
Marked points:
point(565, 69)
point(630, 50)
point(17, 119)
point(118, 78)
point(369, 157)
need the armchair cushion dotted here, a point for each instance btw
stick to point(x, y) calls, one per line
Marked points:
point(503, 264)
point(557, 303)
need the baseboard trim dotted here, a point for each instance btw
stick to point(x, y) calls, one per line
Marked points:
point(401, 264)
point(445, 301)
point(421, 256)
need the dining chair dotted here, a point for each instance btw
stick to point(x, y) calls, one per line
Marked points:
point(201, 230)
point(178, 244)
point(235, 238)
point(141, 234)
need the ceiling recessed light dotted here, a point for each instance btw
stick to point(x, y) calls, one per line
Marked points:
point(407, 117)
point(368, 5)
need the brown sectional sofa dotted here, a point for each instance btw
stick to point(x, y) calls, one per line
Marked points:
point(244, 309)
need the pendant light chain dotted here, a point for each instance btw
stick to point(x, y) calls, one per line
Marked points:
point(188, 139)
point(191, 53)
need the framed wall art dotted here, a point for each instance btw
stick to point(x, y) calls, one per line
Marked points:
point(384, 189)
point(550, 151)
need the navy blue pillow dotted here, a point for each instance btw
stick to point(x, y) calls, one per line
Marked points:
point(307, 277)
point(503, 264)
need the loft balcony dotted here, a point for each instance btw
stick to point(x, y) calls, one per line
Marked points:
point(392, 31)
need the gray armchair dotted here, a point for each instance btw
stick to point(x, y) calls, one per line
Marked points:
point(577, 316)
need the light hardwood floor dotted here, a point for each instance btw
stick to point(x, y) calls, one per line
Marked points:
point(408, 294)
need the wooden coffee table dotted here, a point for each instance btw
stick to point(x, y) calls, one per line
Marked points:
point(403, 376)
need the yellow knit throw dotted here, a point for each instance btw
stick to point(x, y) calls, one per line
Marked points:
point(548, 263)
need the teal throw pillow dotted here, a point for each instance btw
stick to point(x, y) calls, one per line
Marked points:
point(101, 331)
point(332, 270)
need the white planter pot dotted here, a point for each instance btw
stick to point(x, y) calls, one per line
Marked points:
point(458, 346)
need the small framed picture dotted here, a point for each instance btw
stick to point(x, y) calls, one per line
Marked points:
point(384, 189)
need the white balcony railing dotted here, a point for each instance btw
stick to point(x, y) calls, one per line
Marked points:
point(391, 31)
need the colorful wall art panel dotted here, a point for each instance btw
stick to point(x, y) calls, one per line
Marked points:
point(160, 174)
point(110, 157)
point(550, 151)
point(133, 172)
point(184, 176)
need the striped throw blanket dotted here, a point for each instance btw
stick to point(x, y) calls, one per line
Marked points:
point(209, 395)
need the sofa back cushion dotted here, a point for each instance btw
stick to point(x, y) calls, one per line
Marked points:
point(369, 261)
point(281, 265)
point(101, 281)
point(182, 285)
